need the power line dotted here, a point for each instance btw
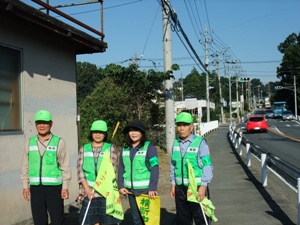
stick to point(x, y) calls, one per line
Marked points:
point(150, 31)
point(178, 28)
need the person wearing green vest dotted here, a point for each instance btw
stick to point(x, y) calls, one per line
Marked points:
point(45, 172)
point(138, 170)
point(195, 149)
point(89, 160)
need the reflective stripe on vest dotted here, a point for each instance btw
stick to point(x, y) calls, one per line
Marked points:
point(44, 169)
point(181, 168)
point(88, 165)
point(136, 173)
point(46, 179)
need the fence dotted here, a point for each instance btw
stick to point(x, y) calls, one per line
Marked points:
point(286, 171)
point(203, 129)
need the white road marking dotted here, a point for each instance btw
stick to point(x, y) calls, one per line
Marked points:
point(276, 129)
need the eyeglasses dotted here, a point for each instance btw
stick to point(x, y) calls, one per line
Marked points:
point(183, 124)
point(43, 122)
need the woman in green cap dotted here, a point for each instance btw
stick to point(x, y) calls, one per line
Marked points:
point(89, 160)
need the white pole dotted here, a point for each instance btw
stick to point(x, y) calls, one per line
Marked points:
point(236, 142)
point(87, 209)
point(203, 213)
point(295, 97)
point(181, 88)
point(264, 177)
point(234, 139)
point(248, 154)
point(240, 146)
point(237, 94)
point(207, 78)
point(169, 103)
point(298, 200)
point(230, 103)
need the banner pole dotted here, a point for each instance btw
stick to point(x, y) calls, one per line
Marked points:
point(115, 131)
point(87, 209)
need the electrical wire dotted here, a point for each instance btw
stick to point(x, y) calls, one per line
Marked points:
point(192, 22)
point(150, 31)
point(177, 27)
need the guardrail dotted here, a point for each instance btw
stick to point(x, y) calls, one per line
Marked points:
point(285, 170)
point(203, 129)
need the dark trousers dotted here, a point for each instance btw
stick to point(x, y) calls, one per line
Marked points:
point(44, 200)
point(135, 212)
point(187, 211)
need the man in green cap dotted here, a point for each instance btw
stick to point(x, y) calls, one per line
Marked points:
point(45, 172)
point(195, 149)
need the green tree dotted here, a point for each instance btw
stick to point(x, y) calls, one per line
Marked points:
point(87, 78)
point(194, 84)
point(124, 94)
point(105, 103)
point(289, 67)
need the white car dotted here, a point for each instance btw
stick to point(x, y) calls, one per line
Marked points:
point(269, 113)
point(287, 115)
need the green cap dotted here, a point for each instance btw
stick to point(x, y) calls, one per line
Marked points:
point(184, 117)
point(43, 115)
point(99, 125)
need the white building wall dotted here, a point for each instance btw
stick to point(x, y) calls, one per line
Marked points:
point(41, 55)
point(192, 103)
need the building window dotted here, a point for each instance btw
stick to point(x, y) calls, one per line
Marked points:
point(10, 100)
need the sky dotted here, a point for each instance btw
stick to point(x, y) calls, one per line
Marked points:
point(244, 31)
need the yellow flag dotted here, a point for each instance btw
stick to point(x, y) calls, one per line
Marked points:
point(192, 195)
point(106, 185)
point(192, 191)
point(149, 209)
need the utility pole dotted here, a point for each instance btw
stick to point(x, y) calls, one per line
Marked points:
point(181, 88)
point(242, 98)
point(249, 96)
point(237, 92)
point(207, 77)
point(169, 101)
point(229, 83)
point(248, 100)
point(258, 94)
point(295, 98)
point(220, 88)
point(230, 103)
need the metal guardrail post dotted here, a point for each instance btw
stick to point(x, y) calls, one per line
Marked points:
point(234, 138)
point(248, 154)
point(298, 200)
point(272, 160)
point(240, 146)
point(264, 178)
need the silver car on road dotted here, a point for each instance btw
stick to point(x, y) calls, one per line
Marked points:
point(287, 115)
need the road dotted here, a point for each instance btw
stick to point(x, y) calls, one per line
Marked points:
point(281, 140)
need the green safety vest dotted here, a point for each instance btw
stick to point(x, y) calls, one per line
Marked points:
point(181, 167)
point(136, 174)
point(90, 168)
point(44, 169)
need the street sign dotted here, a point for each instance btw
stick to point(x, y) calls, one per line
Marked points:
point(278, 87)
point(244, 79)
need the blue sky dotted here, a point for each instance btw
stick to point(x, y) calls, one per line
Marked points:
point(249, 31)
